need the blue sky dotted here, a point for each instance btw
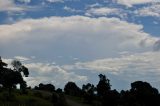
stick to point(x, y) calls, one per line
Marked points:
point(75, 40)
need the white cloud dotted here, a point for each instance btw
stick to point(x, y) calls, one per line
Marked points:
point(9, 5)
point(93, 5)
point(102, 11)
point(156, 46)
point(94, 36)
point(21, 58)
point(25, 1)
point(71, 9)
point(49, 73)
point(54, 1)
point(152, 10)
point(80, 36)
point(140, 66)
point(130, 3)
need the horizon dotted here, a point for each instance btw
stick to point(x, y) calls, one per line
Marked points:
point(75, 40)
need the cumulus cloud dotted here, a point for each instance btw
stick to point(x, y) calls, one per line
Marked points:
point(88, 36)
point(49, 73)
point(80, 37)
point(157, 46)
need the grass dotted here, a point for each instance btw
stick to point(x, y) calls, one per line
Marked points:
point(33, 98)
point(75, 98)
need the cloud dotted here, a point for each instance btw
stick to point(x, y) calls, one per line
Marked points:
point(130, 3)
point(21, 58)
point(94, 5)
point(54, 1)
point(76, 36)
point(151, 10)
point(101, 39)
point(139, 66)
point(157, 46)
point(25, 1)
point(102, 11)
point(71, 9)
point(49, 73)
point(9, 5)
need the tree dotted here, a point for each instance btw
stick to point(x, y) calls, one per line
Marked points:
point(88, 92)
point(46, 87)
point(72, 89)
point(10, 78)
point(103, 85)
point(140, 94)
point(144, 93)
point(59, 90)
point(20, 68)
point(107, 96)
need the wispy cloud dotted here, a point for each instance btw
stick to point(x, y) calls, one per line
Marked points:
point(21, 58)
point(130, 3)
point(152, 10)
point(71, 9)
point(139, 66)
point(102, 11)
point(25, 1)
point(9, 5)
point(54, 1)
point(94, 5)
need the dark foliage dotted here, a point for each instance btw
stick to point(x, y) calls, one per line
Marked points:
point(59, 90)
point(10, 78)
point(140, 94)
point(103, 86)
point(72, 89)
point(45, 87)
point(88, 92)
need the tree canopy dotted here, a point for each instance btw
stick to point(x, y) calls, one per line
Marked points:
point(9, 78)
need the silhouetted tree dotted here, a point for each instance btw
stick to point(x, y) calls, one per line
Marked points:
point(10, 78)
point(88, 92)
point(111, 98)
point(144, 93)
point(59, 90)
point(72, 89)
point(20, 68)
point(140, 94)
point(45, 87)
point(107, 96)
point(103, 85)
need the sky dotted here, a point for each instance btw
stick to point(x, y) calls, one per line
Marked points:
point(76, 40)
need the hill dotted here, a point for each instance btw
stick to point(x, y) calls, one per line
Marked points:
point(31, 98)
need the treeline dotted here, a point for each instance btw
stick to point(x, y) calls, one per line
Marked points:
point(140, 94)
